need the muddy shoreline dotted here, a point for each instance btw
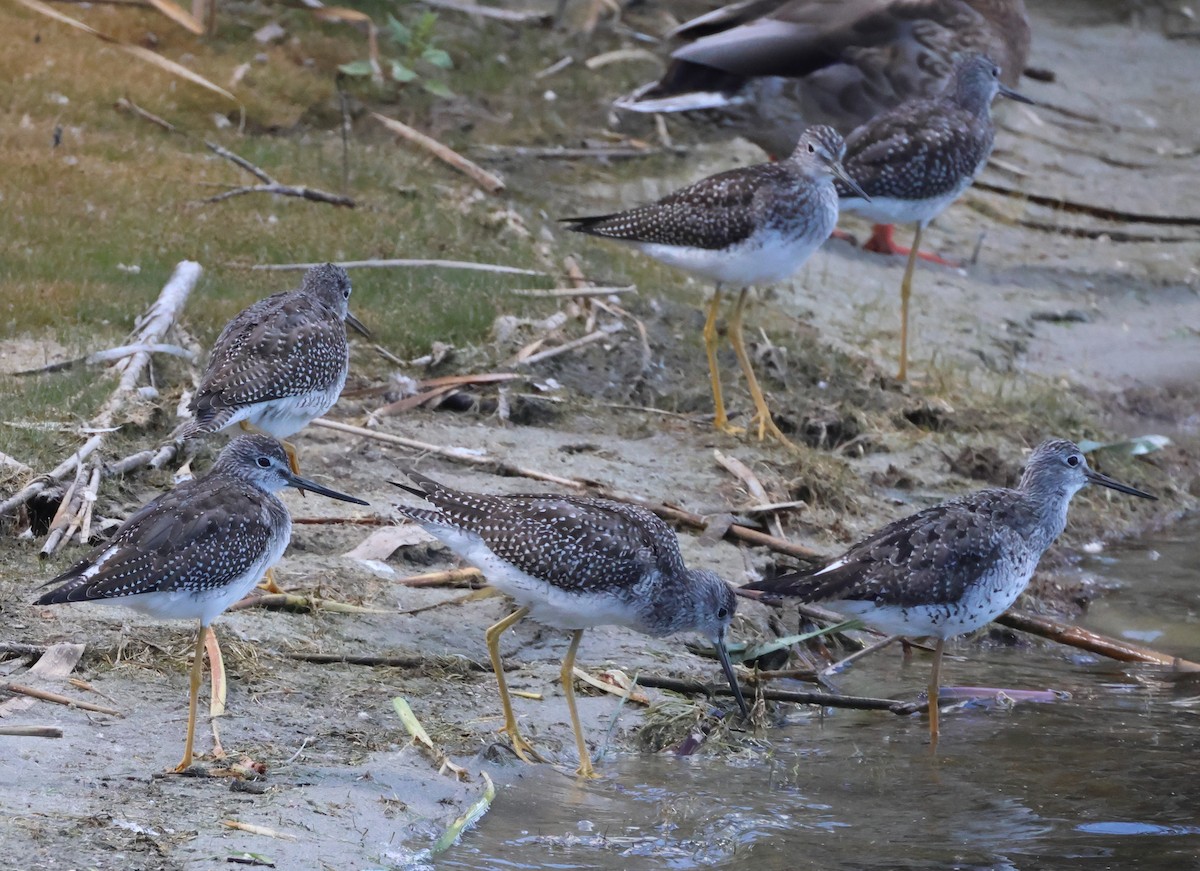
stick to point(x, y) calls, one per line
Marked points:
point(1047, 334)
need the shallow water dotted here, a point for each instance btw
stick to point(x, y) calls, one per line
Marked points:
point(1106, 779)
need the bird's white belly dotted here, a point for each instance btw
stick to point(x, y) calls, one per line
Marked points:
point(548, 604)
point(206, 605)
point(891, 210)
point(982, 603)
point(287, 416)
point(762, 259)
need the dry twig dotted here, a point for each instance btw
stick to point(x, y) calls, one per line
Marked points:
point(486, 180)
point(827, 700)
point(269, 185)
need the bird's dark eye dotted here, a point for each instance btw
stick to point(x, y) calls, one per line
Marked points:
point(812, 149)
point(264, 463)
point(346, 293)
point(722, 613)
point(1073, 460)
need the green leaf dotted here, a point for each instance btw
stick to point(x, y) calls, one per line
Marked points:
point(360, 68)
point(745, 653)
point(438, 57)
point(438, 89)
point(399, 33)
point(401, 73)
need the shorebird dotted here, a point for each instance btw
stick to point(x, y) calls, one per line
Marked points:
point(954, 567)
point(279, 364)
point(573, 563)
point(752, 225)
point(193, 552)
point(915, 160)
point(768, 68)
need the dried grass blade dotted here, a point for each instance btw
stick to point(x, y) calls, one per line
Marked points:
point(179, 15)
point(137, 51)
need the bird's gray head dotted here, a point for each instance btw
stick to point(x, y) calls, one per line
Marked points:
point(329, 283)
point(1057, 469)
point(820, 151)
point(975, 82)
point(261, 461)
point(715, 606)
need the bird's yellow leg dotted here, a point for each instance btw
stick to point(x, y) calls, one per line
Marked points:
point(522, 748)
point(721, 421)
point(568, 681)
point(197, 665)
point(762, 414)
point(218, 688)
point(905, 296)
point(934, 678)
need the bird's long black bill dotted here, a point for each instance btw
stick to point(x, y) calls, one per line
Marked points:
point(723, 655)
point(840, 172)
point(305, 484)
point(1006, 91)
point(1105, 481)
point(358, 325)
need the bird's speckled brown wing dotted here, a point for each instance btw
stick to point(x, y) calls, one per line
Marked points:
point(576, 544)
point(186, 539)
point(284, 345)
point(928, 558)
point(715, 212)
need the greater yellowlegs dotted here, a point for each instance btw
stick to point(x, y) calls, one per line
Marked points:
point(752, 225)
point(279, 364)
point(954, 567)
point(767, 68)
point(918, 158)
point(574, 563)
point(192, 552)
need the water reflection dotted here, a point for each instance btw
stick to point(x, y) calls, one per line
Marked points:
point(1106, 779)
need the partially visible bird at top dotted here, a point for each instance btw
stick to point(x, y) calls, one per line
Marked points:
point(748, 226)
point(765, 69)
point(279, 364)
point(915, 160)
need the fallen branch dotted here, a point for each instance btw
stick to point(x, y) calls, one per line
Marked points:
point(110, 355)
point(14, 463)
point(670, 513)
point(299, 604)
point(511, 16)
point(389, 661)
point(396, 264)
point(1104, 212)
point(47, 696)
point(558, 152)
point(125, 104)
point(15, 648)
point(1084, 639)
point(270, 185)
point(568, 292)
point(151, 328)
point(827, 700)
point(448, 578)
point(31, 731)
point(595, 336)
point(486, 180)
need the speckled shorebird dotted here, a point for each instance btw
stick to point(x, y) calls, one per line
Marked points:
point(574, 563)
point(192, 552)
point(917, 159)
point(279, 364)
point(767, 68)
point(747, 226)
point(954, 567)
